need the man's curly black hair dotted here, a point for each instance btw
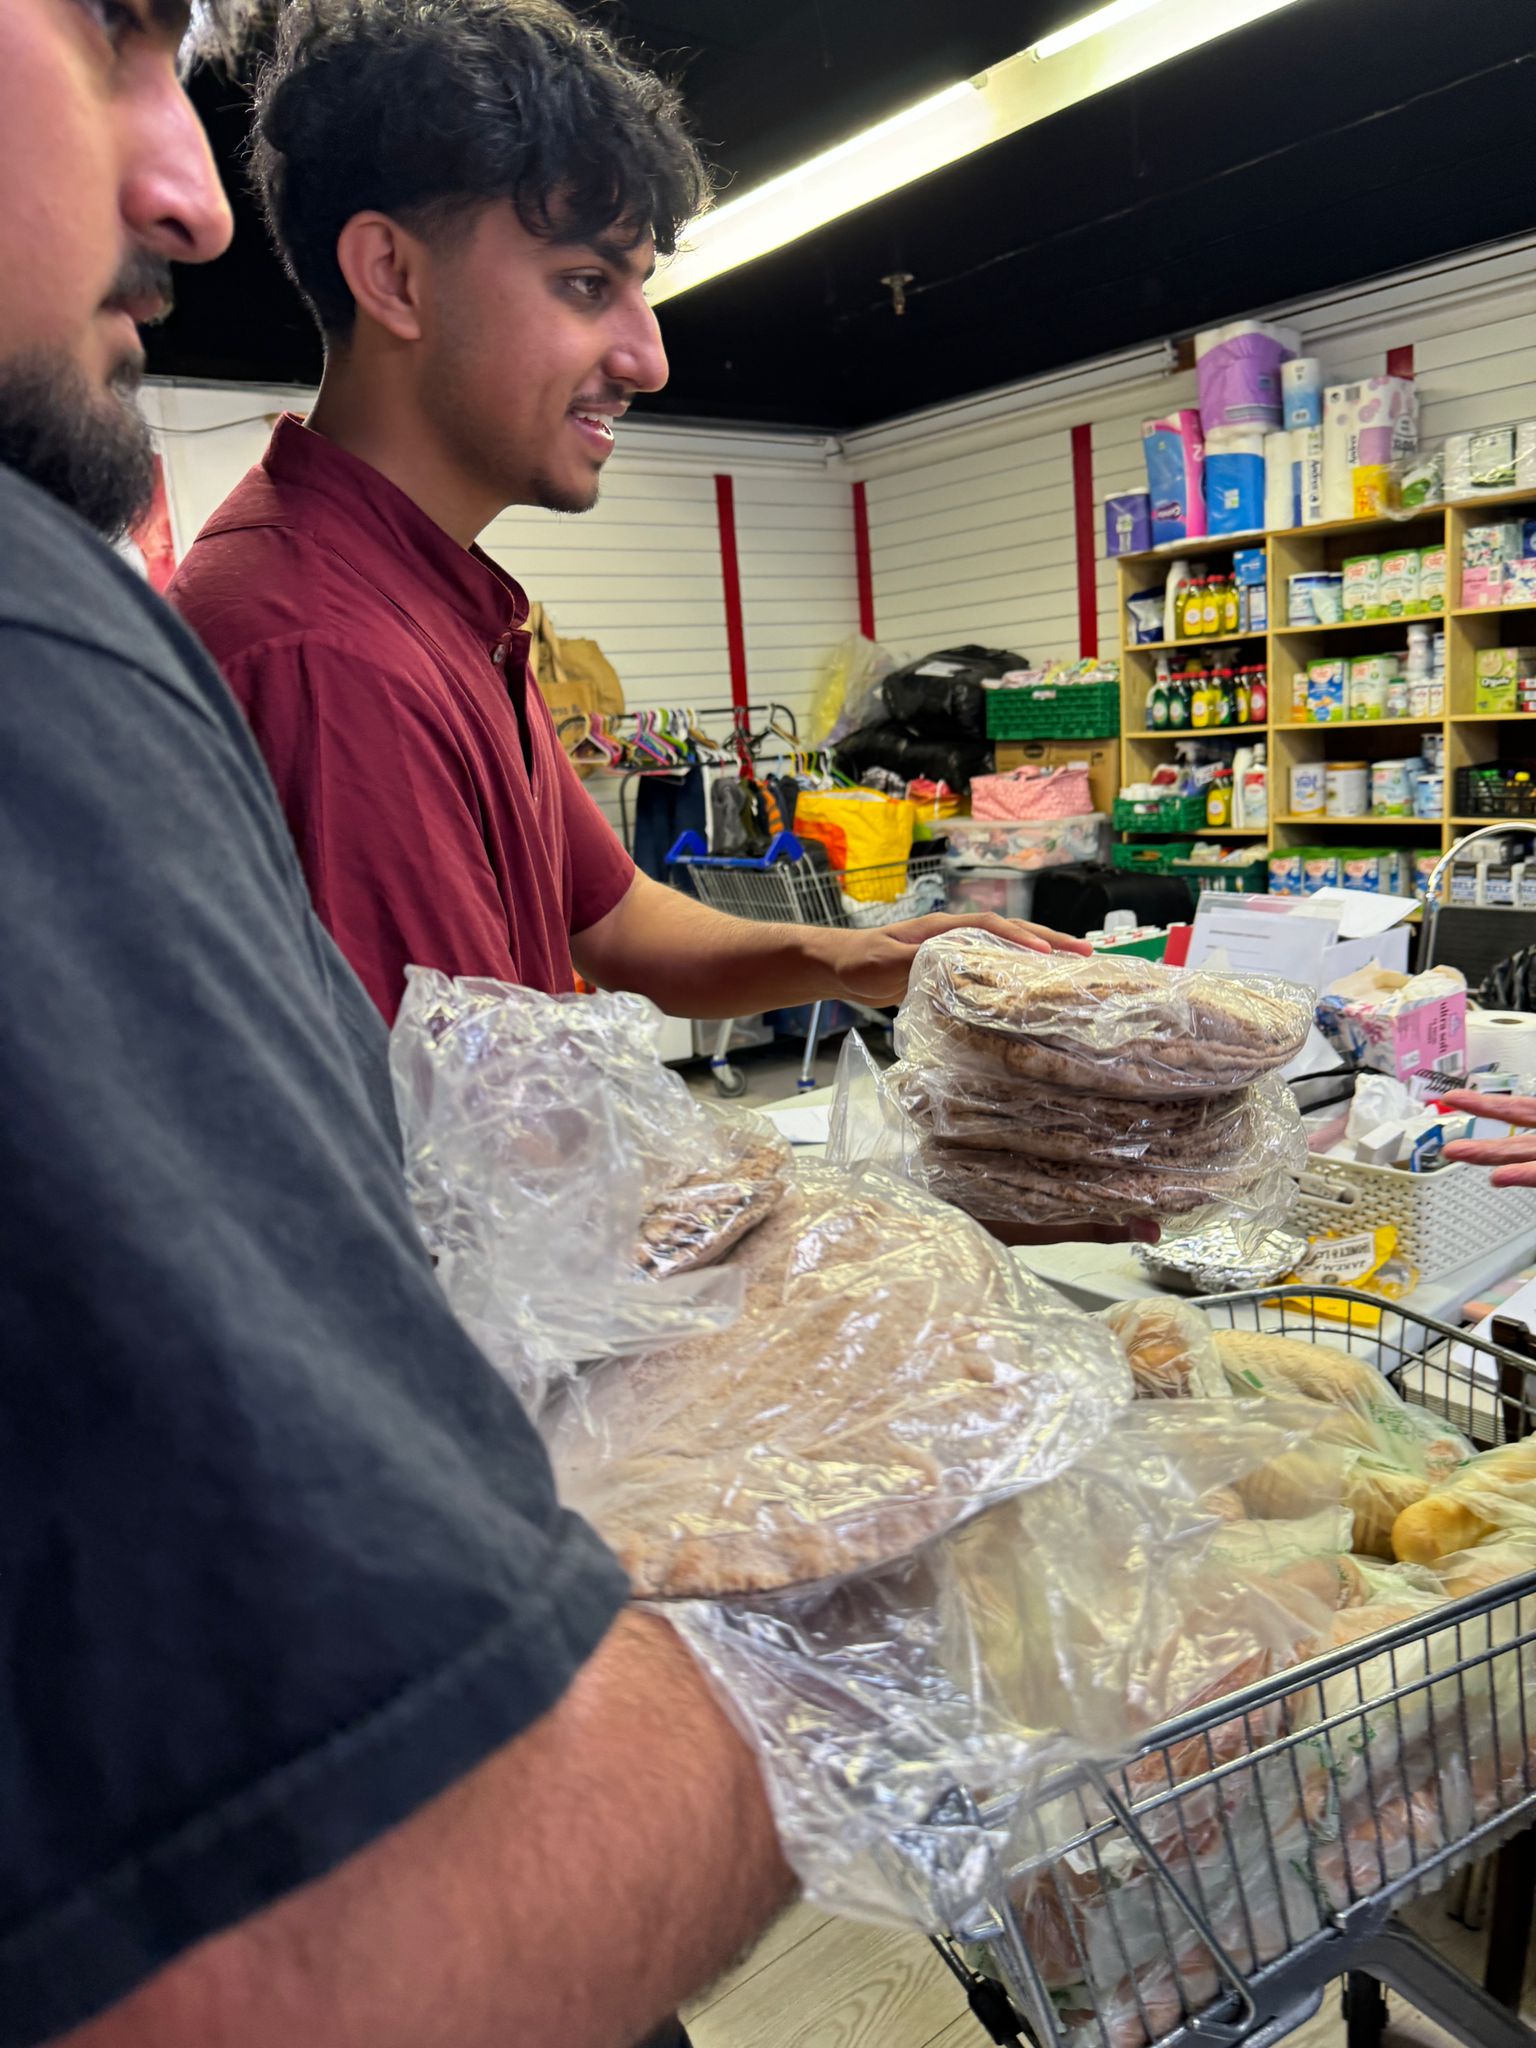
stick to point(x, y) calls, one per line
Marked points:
point(424, 109)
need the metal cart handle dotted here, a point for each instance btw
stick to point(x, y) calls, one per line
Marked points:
point(1222, 2030)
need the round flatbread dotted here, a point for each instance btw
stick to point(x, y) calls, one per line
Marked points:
point(1126, 1028)
point(892, 1369)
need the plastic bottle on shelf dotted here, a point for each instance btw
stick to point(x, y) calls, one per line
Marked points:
point(1192, 609)
point(1242, 763)
point(1218, 802)
point(1200, 701)
point(1178, 701)
point(1226, 698)
point(1241, 685)
point(1157, 703)
point(1255, 798)
point(1258, 694)
point(1231, 606)
point(1210, 607)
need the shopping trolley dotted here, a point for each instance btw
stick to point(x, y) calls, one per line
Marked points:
point(1257, 1849)
point(786, 885)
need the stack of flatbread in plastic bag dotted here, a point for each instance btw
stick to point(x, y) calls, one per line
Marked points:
point(1051, 1089)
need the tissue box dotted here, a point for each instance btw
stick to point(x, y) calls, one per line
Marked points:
point(1520, 580)
point(1489, 547)
point(1128, 523)
point(1482, 589)
point(1500, 672)
point(1396, 1024)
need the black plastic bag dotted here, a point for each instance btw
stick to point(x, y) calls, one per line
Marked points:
point(953, 761)
point(943, 696)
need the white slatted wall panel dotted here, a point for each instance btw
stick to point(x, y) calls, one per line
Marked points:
point(971, 528)
point(799, 586)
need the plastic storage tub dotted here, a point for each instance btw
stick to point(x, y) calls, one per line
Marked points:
point(1025, 843)
point(1002, 892)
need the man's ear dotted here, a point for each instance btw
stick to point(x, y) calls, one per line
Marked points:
point(382, 263)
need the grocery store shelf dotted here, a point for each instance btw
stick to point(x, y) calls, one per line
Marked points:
point(1326, 818)
point(1488, 717)
point(1206, 643)
point(1204, 732)
point(1359, 625)
point(1515, 824)
point(1233, 832)
point(1489, 611)
point(1357, 724)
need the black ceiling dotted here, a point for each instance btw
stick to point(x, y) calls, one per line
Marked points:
point(1335, 141)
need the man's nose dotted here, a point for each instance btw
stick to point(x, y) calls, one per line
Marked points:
point(172, 199)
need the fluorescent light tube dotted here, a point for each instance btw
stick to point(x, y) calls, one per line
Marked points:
point(1104, 49)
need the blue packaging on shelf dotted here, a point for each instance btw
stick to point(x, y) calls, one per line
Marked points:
point(1128, 523)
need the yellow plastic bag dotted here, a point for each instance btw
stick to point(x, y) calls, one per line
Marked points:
point(868, 838)
point(1364, 1259)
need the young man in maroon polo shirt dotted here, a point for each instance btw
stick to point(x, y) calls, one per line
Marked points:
point(470, 194)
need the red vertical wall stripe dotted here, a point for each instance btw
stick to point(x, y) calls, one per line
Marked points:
point(864, 561)
point(730, 576)
point(1087, 570)
point(1400, 361)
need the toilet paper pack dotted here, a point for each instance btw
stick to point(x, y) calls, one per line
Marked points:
point(1372, 424)
point(1238, 367)
point(1174, 451)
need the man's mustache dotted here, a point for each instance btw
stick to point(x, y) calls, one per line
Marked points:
point(144, 282)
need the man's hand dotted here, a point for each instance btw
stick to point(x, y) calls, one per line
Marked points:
point(1514, 1159)
point(874, 966)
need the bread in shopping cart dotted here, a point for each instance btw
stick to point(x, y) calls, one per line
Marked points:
point(1171, 1349)
point(1491, 1495)
point(696, 1220)
point(892, 1370)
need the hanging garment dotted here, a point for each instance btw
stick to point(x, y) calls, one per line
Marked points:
point(666, 807)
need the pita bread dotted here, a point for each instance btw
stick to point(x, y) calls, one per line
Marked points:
point(891, 1370)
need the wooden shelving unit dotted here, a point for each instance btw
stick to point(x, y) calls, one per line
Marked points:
point(1471, 737)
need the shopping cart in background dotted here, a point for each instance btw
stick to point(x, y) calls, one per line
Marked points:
point(1258, 1848)
point(790, 884)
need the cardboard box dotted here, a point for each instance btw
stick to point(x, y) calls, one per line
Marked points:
point(1128, 523)
point(1102, 758)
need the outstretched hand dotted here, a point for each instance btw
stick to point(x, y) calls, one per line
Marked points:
point(1513, 1159)
point(874, 966)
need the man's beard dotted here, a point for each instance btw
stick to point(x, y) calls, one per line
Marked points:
point(553, 497)
point(90, 449)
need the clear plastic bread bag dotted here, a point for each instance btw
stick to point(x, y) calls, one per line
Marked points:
point(576, 1198)
point(1108, 1026)
point(1064, 1093)
point(893, 1369)
point(908, 1720)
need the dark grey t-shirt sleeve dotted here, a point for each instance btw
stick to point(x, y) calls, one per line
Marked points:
point(280, 1556)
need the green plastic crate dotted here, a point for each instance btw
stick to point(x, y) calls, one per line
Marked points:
point(1251, 878)
point(1148, 860)
point(1054, 711)
point(1160, 814)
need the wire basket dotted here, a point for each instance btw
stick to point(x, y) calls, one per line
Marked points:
point(786, 885)
point(1255, 1849)
point(1444, 1220)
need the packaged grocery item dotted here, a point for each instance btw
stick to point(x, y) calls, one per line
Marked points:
point(1375, 490)
point(1424, 865)
point(1309, 789)
point(1398, 594)
point(1321, 868)
point(1285, 874)
point(1316, 598)
point(1362, 587)
point(1490, 547)
point(1432, 579)
point(1520, 580)
point(1429, 794)
point(1482, 589)
point(1396, 1024)
point(1391, 790)
point(1250, 572)
point(1367, 688)
point(1326, 690)
point(1361, 871)
point(1347, 789)
point(1397, 698)
point(1128, 523)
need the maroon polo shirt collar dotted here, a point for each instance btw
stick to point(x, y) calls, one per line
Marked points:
point(388, 536)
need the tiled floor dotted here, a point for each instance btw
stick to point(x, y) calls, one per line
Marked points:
point(819, 1983)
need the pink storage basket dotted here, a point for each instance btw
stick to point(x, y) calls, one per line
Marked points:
point(1032, 792)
